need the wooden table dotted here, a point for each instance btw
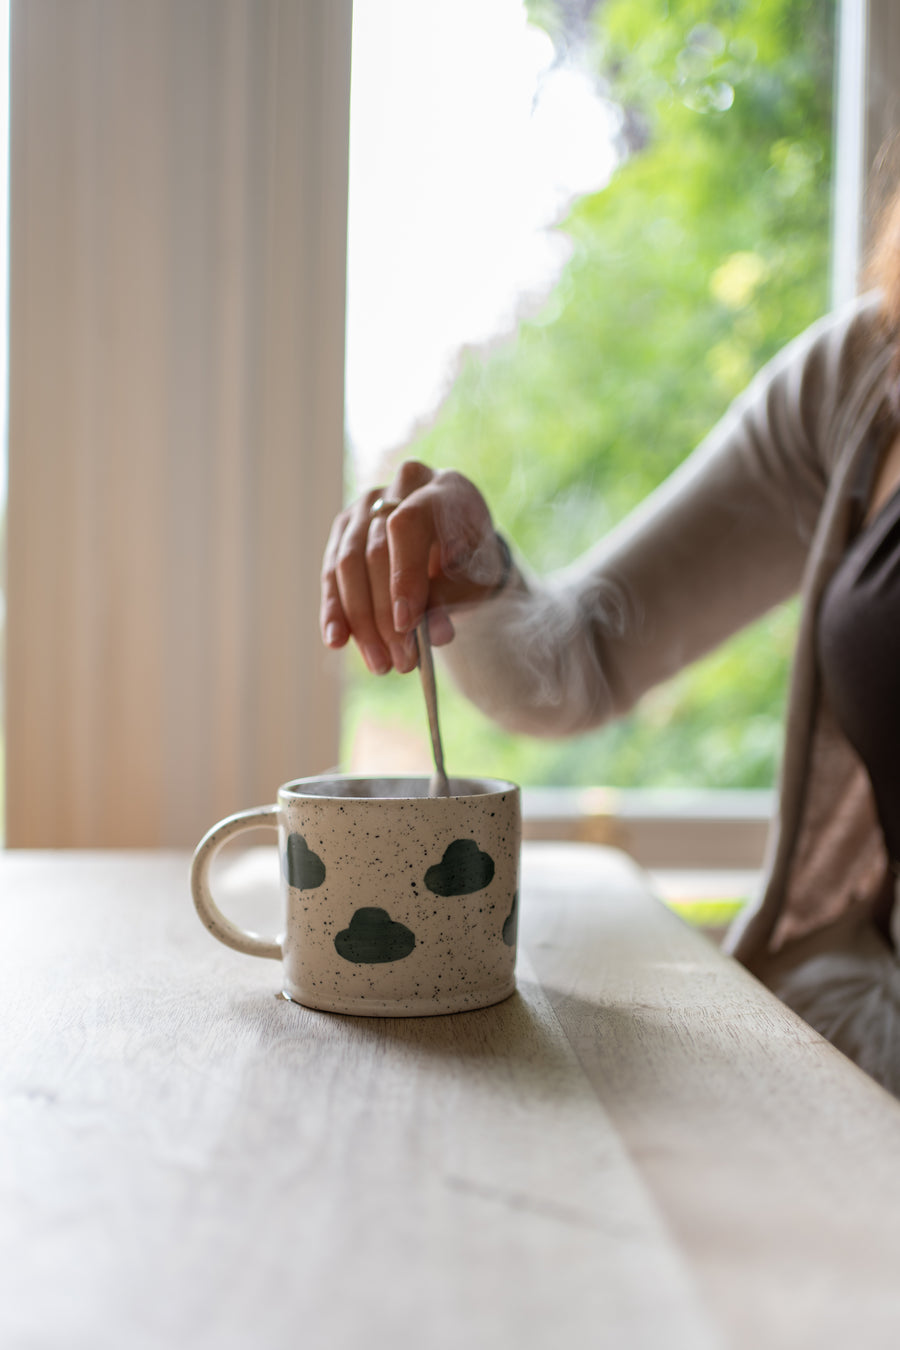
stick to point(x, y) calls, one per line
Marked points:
point(641, 1148)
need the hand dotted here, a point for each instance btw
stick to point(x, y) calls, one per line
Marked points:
point(436, 549)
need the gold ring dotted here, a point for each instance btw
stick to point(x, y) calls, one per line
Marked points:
point(383, 507)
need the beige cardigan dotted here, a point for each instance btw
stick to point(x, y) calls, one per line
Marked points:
point(763, 508)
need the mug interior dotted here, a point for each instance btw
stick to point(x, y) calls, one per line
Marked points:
point(395, 789)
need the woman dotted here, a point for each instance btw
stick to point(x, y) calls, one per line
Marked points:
point(795, 489)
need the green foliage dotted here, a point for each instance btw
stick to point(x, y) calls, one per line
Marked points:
point(714, 914)
point(705, 254)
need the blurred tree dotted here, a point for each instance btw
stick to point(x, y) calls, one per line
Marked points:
point(707, 251)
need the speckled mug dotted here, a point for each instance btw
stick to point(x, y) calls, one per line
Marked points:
point(396, 904)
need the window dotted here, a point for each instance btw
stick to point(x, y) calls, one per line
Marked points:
point(677, 245)
point(177, 351)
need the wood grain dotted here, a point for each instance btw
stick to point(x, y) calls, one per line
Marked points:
point(640, 1149)
point(772, 1157)
point(189, 1161)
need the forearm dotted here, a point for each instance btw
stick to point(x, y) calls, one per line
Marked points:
point(532, 658)
point(710, 551)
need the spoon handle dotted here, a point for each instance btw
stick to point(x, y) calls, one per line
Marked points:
point(440, 786)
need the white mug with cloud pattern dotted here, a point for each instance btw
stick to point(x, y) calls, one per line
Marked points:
point(396, 904)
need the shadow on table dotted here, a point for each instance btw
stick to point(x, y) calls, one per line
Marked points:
point(520, 1038)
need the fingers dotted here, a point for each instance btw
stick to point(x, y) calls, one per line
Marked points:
point(411, 542)
point(444, 550)
point(378, 566)
point(332, 620)
point(356, 580)
point(440, 627)
point(412, 545)
point(346, 607)
point(381, 573)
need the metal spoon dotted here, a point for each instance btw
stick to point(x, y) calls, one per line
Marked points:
point(439, 786)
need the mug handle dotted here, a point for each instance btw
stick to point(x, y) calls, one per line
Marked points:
point(212, 917)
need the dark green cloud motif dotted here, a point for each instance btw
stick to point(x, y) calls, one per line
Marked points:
point(303, 868)
point(511, 924)
point(373, 937)
point(462, 870)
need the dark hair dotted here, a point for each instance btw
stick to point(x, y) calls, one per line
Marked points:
point(882, 270)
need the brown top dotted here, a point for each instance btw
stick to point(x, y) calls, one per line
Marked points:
point(762, 509)
point(859, 653)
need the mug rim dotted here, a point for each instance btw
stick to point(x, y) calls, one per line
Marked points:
point(490, 787)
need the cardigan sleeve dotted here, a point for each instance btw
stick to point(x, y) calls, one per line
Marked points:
point(723, 540)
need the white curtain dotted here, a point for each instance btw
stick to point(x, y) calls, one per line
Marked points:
point(178, 230)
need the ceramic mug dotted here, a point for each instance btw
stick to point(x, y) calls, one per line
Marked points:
point(396, 904)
